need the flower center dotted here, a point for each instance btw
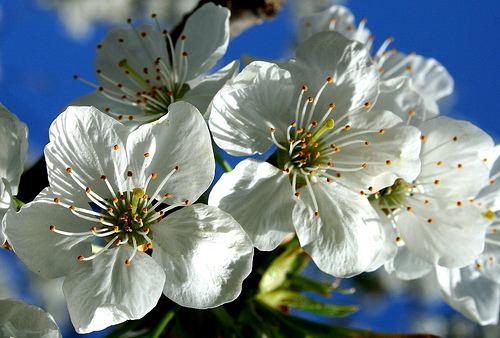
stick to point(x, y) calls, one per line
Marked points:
point(392, 197)
point(162, 79)
point(126, 217)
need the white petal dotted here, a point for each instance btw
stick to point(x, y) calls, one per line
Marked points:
point(5, 203)
point(205, 88)
point(355, 78)
point(346, 237)
point(450, 154)
point(322, 21)
point(179, 138)
point(428, 76)
point(471, 294)
point(488, 262)
point(49, 254)
point(207, 38)
point(389, 248)
point(260, 197)
point(405, 265)
point(400, 97)
point(391, 155)
point(450, 237)
point(18, 319)
point(83, 139)
point(13, 147)
point(244, 110)
point(205, 254)
point(105, 291)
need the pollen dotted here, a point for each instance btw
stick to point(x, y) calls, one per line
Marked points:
point(439, 163)
point(154, 175)
point(69, 170)
point(305, 88)
point(437, 182)
point(316, 213)
point(297, 194)
point(367, 104)
point(411, 113)
point(455, 139)
point(115, 147)
point(430, 221)
point(423, 138)
point(388, 162)
point(329, 79)
point(364, 165)
point(52, 227)
point(130, 173)
point(409, 209)
point(146, 154)
point(460, 166)
point(381, 131)
point(57, 200)
point(459, 203)
point(80, 258)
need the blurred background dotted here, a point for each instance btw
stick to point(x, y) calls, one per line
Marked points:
point(44, 42)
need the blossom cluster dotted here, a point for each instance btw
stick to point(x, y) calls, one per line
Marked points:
point(356, 163)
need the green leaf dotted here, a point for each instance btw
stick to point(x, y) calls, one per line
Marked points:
point(287, 298)
point(302, 283)
point(291, 261)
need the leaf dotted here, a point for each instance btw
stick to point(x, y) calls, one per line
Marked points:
point(302, 283)
point(290, 262)
point(287, 298)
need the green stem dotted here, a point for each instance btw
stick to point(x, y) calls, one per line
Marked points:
point(163, 324)
point(222, 162)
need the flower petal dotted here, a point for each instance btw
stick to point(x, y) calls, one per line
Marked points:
point(468, 292)
point(13, 147)
point(205, 254)
point(405, 265)
point(452, 169)
point(450, 237)
point(84, 139)
point(244, 110)
point(391, 154)
point(400, 97)
point(105, 291)
point(346, 237)
point(260, 197)
point(355, 78)
point(338, 18)
point(203, 92)
point(207, 38)
point(43, 251)
point(181, 138)
point(18, 319)
point(428, 76)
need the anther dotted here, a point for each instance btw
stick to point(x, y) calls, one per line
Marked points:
point(115, 147)
point(177, 168)
point(455, 138)
point(297, 194)
point(56, 200)
point(388, 162)
point(459, 203)
point(186, 202)
point(367, 104)
point(316, 214)
point(437, 182)
point(154, 175)
point(364, 165)
point(381, 131)
point(439, 163)
point(329, 79)
point(52, 227)
point(423, 138)
point(411, 113)
point(130, 173)
point(430, 221)
point(409, 209)
point(69, 170)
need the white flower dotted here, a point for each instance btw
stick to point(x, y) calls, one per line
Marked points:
point(114, 196)
point(13, 148)
point(433, 220)
point(18, 319)
point(302, 8)
point(80, 17)
point(332, 151)
point(141, 71)
point(475, 289)
point(427, 75)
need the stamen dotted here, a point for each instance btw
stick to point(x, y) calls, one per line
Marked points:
point(97, 254)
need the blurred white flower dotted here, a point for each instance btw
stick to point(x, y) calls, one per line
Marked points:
point(115, 195)
point(427, 75)
point(18, 319)
point(302, 8)
point(13, 148)
point(141, 72)
point(333, 150)
point(81, 17)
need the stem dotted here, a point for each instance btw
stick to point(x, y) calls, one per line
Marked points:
point(17, 202)
point(222, 162)
point(163, 324)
